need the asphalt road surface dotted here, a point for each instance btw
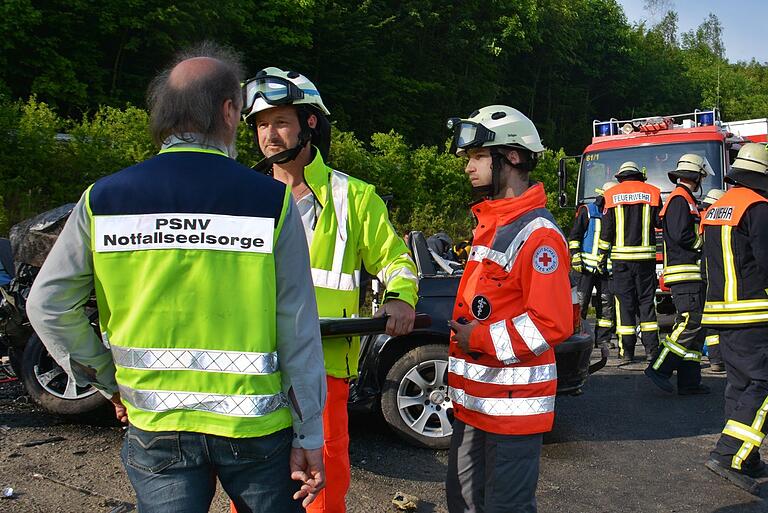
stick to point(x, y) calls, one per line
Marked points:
point(622, 446)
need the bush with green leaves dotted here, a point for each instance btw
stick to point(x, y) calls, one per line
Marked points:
point(41, 170)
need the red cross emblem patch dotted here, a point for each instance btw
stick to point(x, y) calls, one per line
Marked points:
point(545, 260)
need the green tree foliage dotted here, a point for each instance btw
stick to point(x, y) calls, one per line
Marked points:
point(390, 72)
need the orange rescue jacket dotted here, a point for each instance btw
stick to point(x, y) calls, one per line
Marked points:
point(516, 286)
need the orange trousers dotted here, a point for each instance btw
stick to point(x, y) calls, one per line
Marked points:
point(335, 450)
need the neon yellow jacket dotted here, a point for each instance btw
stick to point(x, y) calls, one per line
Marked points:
point(337, 250)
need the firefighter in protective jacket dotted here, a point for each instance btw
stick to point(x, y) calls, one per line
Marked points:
point(513, 305)
point(736, 265)
point(631, 214)
point(583, 244)
point(681, 349)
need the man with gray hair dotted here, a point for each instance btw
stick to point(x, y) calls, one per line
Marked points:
point(203, 285)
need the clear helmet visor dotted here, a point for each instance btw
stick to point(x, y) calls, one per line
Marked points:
point(466, 133)
point(273, 90)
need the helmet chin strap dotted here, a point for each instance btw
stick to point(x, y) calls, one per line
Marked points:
point(484, 192)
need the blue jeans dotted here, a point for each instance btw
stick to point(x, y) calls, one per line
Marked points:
point(173, 471)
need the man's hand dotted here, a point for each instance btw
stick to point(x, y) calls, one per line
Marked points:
point(462, 332)
point(401, 317)
point(120, 412)
point(307, 467)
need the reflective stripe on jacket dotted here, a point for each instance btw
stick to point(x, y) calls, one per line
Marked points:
point(682, 244)
point(631, 214)
point(516, 286)
point(338, 248)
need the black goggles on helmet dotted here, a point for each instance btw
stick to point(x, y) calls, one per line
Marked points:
point(468, 134)
point(273, 90)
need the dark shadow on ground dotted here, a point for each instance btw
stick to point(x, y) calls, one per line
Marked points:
point(375, 448)
point(621, 403)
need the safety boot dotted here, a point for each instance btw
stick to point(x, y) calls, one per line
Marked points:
point(659, 379)
point(694, 390)
point(737, 478)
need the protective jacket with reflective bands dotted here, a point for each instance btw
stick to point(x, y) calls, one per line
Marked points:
point(682, 243)
point(736, 260)
point(188, 358)
point(365, 235)
point(516, 286)
point(631, 214)
point(585, 237)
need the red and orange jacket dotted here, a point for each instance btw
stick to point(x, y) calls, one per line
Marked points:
point(516, 286)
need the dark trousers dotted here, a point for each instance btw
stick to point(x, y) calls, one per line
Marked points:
point(634, 285)
point(490, 473)
point(173, 471)
point(602, 301)
point(681, 350)
point(713, 347)
point(745, 354)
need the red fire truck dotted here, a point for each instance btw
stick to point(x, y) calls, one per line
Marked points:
point(656, 143)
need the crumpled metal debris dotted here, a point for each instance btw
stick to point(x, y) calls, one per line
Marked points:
point(7, 493)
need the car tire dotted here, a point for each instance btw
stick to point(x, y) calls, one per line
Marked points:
point(50, 387)
point(414, 399)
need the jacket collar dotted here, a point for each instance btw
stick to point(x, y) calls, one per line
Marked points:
point(193, 141)
point(509, 209)
point(318, 178)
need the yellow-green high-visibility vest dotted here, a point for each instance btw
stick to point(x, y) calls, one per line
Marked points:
point(338, 248)
point(185, 284)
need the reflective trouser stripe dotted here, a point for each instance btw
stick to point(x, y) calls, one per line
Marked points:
point(235, 362)
point(649, 326)
point(230, 405)
point(667, 342)
point(502, 375)
point(621, 331)
point(749, 434)
point(512, 406)
point(712, 340)
point(679, 277)
point(604, 323)
point(574, 244)
point(734, 318)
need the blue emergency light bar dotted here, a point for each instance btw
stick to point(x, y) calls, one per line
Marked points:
point(692, 119)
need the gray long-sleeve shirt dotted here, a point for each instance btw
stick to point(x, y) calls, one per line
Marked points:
point(65, 282)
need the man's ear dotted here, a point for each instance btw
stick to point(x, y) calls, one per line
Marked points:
point(312, 121)
point(513, 156)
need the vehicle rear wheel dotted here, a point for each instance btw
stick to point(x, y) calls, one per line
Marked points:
point(51, 387)
point(415, 400)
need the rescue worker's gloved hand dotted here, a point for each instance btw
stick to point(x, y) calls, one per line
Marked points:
point(576, 262)
point(602, 268)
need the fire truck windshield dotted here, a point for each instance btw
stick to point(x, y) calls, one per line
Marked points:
point(598, 167)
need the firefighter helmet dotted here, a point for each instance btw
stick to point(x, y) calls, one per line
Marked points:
point(630, 170)
point(750, 168)
point(495, 125)
point(712, 196)
point(605, 187)
point(272, 86)
point(691, 167)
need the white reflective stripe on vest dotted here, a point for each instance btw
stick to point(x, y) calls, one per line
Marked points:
point(386, 275)
point(514, 247)
point(235, 362)
point(530, 334)
point(502, 375)
point(231, 405)
point(507, 259)
point(502, 343)
point(339, 188)
point(336, 281)
point(513, 406)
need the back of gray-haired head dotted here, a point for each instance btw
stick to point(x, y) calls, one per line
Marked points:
point(193, 104)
